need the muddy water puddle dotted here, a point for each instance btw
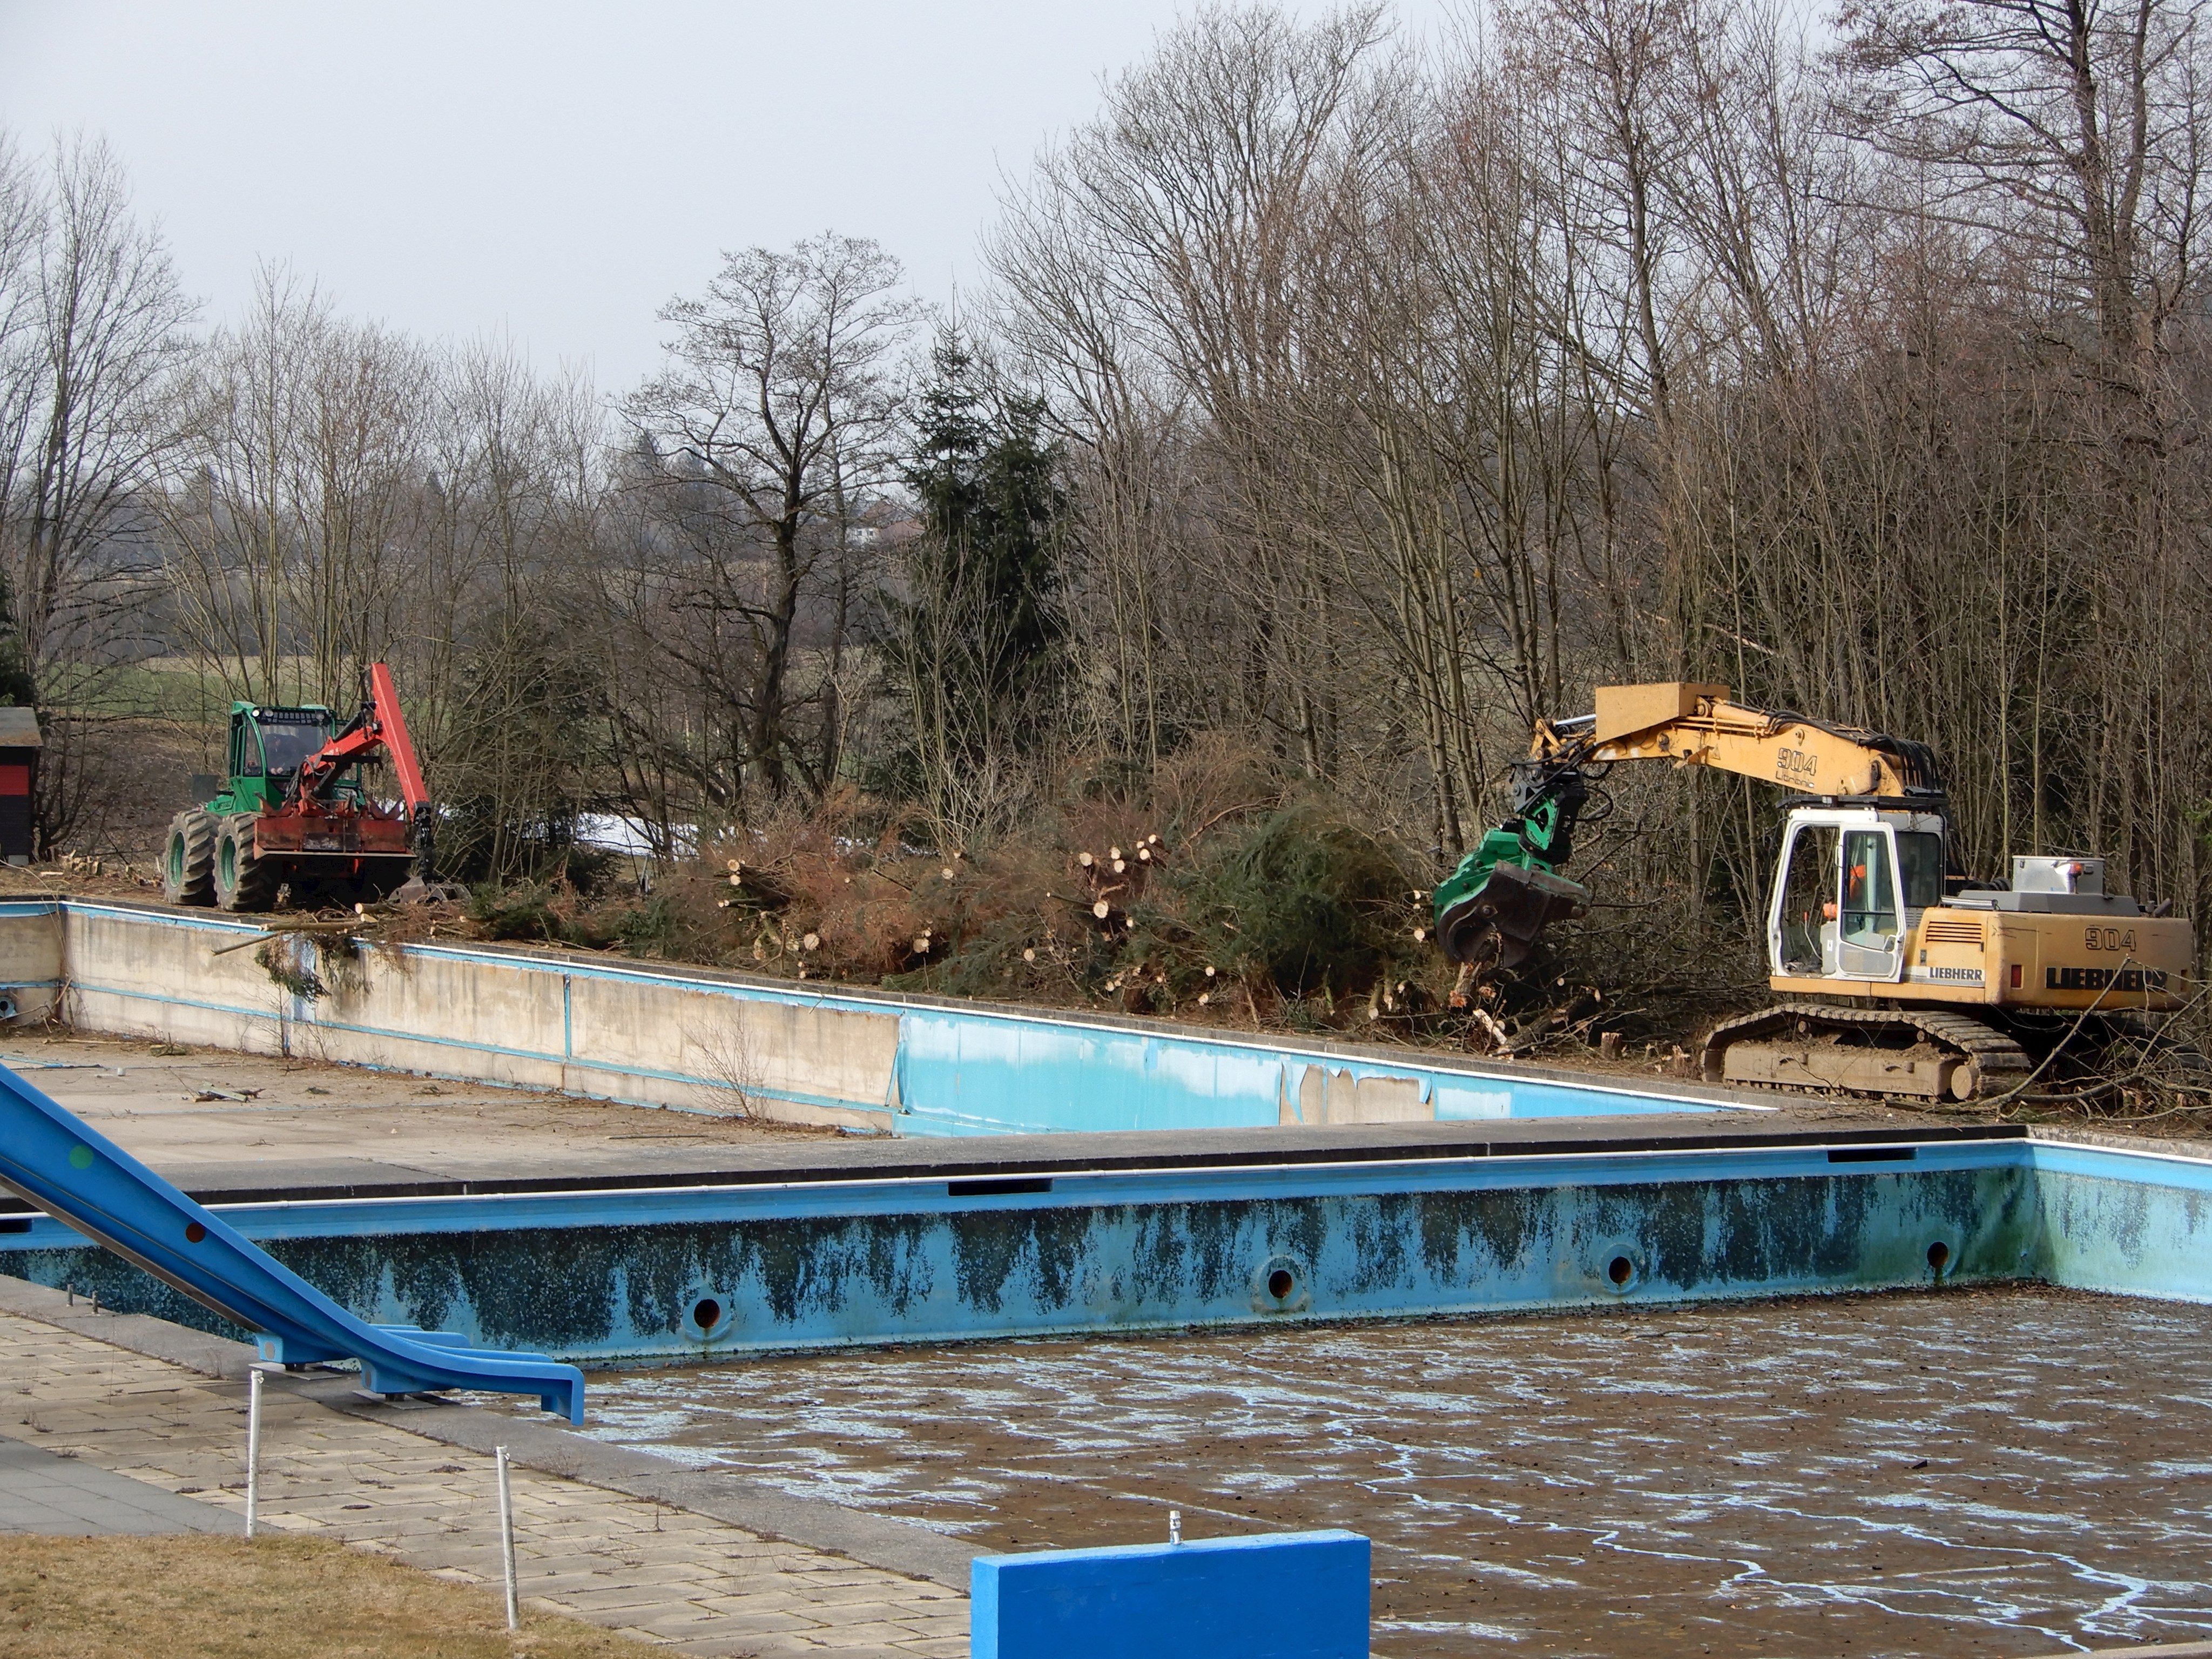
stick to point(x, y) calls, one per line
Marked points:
point(1983, 1471)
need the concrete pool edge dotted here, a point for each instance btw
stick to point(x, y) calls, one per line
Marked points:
point(910, 1243)
point(550, 1447)
point(1198, 1151)
point(699, 1038)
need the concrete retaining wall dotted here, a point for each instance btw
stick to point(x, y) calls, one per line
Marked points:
point(31, 954)
point(605, 1277)
point(700, 1040)
point(696, 1273)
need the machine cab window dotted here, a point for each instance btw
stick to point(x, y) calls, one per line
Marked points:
point(1870, 934)
point(1920, 861)
point(283, 747)
point(1869, 917)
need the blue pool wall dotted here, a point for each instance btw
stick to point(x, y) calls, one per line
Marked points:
point(2129, 1223)
point(696, 1039)
point(619, 1276)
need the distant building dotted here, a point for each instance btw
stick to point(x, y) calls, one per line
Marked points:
point(881, 523)
point(19, 776)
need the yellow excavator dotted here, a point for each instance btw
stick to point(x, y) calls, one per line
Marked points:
point(1902, 977)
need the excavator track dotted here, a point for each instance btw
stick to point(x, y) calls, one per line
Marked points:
point(1792, 1046)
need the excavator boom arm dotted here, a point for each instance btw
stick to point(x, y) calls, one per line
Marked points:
point(1695, 725)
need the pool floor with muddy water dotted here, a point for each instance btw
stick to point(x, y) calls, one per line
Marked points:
point(2006, 1471)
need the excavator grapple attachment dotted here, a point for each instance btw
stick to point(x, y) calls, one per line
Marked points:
point(1493, 925)
point(1490, 909)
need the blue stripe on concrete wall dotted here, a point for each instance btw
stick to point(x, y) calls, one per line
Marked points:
point(976, 1069)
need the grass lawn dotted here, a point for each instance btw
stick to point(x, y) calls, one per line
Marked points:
point(220, 1598)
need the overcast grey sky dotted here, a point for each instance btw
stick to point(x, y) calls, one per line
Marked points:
point(559, 169)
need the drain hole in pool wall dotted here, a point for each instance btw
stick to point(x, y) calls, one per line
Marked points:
point(1621, 1270)
point(1939, 1257)
point(1280, 1284)
point(706, 1313)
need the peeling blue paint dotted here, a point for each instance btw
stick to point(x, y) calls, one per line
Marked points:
point(1000, 1072)
point(613, 1276)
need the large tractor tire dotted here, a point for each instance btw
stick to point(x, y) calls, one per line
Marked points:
point(188, 859)
point(243, 881)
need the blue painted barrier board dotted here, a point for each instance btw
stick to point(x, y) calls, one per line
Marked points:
point(1280, 1596)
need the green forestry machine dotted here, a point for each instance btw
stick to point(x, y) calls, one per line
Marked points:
point(294, 822)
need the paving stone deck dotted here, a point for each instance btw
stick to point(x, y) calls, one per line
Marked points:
point(60, 1494)
point(139, 1436)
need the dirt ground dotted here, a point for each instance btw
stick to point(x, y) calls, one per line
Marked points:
point(116, 879)
point(200, 1598)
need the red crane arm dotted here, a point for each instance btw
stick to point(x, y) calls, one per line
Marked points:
point(392, 726)
point(381, 728)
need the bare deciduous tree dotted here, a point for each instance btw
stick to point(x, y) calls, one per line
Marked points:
point(92, 321)
point(775, 416)
point(2082, 124)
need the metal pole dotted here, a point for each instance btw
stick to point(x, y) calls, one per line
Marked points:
point(507, 1539)
point(253, 1448)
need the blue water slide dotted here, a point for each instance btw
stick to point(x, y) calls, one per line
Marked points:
point(87, 1181)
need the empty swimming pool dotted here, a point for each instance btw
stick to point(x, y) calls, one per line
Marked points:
point(1945, 1472)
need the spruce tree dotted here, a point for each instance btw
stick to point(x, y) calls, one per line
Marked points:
point(974, 641)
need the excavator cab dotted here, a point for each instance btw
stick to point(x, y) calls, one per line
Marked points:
point(1849, 888)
